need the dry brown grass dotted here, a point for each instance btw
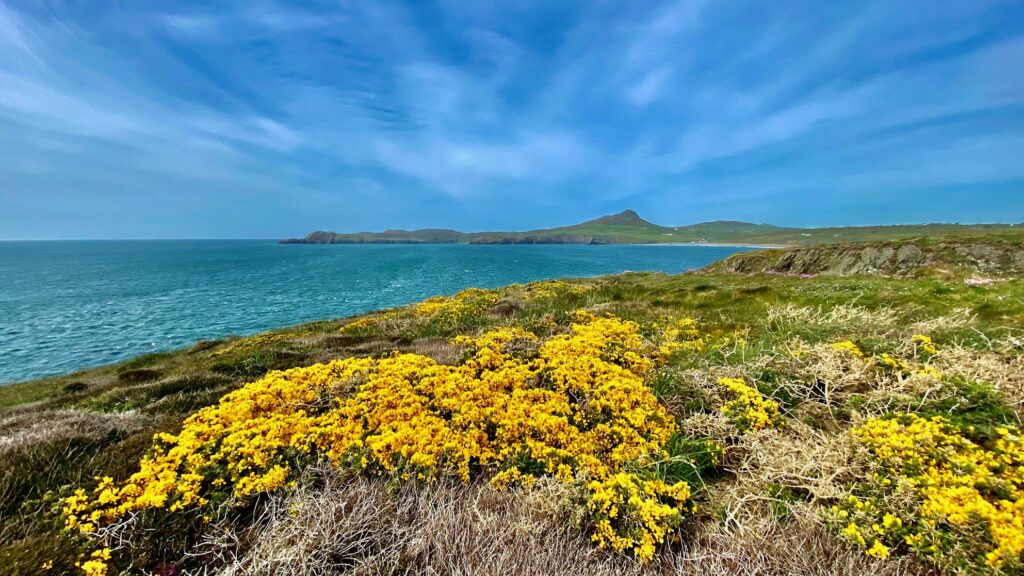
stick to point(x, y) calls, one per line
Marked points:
point(798, 546)
point(359, 526)
point(1002, 366)
point(840, 316)
point(956, 319)
point(815, 464)
point(24, 429)
point(440, 350)
point(354, 525)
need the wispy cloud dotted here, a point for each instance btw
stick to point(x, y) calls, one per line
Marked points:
point(505, 114)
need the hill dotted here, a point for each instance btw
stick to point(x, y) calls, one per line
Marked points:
point(627, 227)
point(634, 424)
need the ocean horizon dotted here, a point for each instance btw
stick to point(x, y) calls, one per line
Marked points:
point(68, 305)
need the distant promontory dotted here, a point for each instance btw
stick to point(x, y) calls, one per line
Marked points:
point(627, 227)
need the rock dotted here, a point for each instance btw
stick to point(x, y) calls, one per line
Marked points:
point(909, 256)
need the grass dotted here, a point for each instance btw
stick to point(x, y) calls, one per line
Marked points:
point(758, 507)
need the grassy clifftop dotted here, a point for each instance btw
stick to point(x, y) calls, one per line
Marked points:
point(780, 408)
point(982, 255)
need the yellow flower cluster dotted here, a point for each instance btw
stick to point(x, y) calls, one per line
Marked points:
point(849, 347)
point(550, 290)
point(358, 325)
point(632, 513)
point(471, 302)
point(451, 308)
point(573, 406)
point(961, 486)
point(889, 362)
point(904, 368)
point(925, 344)
point(96, 565)
point(250, 343)
point(863, 527)
point(684, 334)
point(749, 409)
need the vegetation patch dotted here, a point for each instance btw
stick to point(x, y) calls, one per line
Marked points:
point(944, 492)
point(574, 407)
point(696, 422)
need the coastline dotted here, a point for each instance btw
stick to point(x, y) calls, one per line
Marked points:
point(292, 242)
point(718, 245)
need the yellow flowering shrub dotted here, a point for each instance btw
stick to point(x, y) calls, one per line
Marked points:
point(358, 325)
point(893, 364)
point(549, 290)
point(849, 347)
point(925, 344)
point(574, 406)
point(749, 409)
point(250, 343)
point(96, 565)
point(903, 368)
point(967, 494)
point(684, 334)
point(444, 310)
point(631, 513)
point(471, 301)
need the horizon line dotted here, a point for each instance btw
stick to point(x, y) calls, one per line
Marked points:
point(213, 238)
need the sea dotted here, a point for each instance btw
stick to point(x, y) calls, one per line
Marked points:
point(70, 305)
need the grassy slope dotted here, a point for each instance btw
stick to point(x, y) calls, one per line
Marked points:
point(995, 255)
point(64, 430)
point(628, 228)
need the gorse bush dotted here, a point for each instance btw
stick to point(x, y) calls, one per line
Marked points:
point(941, 491)
point(465, 308)
point(749, 410)
point(924, 350)
point(574, 406)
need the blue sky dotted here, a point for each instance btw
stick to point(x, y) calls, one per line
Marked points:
point(269, 119)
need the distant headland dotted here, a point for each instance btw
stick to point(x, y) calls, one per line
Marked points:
point(627, 227)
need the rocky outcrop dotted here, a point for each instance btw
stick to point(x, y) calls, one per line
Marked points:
point(913, 257)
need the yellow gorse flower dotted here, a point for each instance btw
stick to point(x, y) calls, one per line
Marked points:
point(749, 409)
point(632, 513)
point(891, 363)
point(684, 334)
point(96, 565)
point(959, 484)
point(549, 290)
point(574, 406)
point(850, 347)
point(444, 310)
point(925, 344)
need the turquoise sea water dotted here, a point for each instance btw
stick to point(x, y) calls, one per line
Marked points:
point(65, 306)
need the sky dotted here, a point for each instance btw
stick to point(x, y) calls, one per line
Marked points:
point(269, 119)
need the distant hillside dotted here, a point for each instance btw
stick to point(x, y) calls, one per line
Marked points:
point(991, 255)
point(627, 227)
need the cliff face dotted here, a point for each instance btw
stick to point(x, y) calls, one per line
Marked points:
point(913, 257)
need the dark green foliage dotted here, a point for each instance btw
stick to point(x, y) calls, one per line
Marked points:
point(968, 403)
point(252, 365)
point(691, 460)
point(75, 387)
point(204, 345)
point(781, 499)
point(137, 375)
